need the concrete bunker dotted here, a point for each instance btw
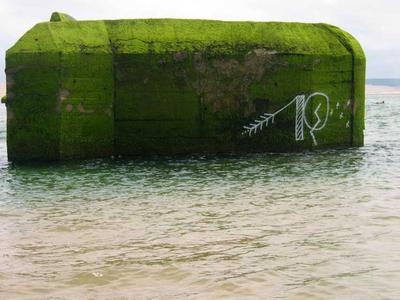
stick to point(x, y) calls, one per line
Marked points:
point(88, 89)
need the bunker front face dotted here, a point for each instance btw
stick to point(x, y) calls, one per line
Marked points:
point(89, 89)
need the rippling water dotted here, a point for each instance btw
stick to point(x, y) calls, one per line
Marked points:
point(320, 225)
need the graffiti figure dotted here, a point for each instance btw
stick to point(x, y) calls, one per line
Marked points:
point(301, 121)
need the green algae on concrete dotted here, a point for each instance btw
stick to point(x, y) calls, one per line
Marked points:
point(85, 89)
point(61, 17)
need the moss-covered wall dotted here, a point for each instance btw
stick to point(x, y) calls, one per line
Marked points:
point(166, 87)
point(86, 89)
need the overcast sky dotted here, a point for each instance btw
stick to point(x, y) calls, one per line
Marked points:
point(376, 23)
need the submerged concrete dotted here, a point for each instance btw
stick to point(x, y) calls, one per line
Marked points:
point(86, 89)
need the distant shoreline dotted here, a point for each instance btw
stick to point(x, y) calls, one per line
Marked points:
point(370, 89)
point(2, 89)
point(381, 89)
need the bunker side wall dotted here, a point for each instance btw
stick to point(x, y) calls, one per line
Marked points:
point(33, 122)
point(194, 96)
point(60, 78)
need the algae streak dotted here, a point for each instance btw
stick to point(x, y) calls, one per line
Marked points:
point(85, 89)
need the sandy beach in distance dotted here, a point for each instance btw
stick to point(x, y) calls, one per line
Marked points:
point(381, 89)
point(2, 89)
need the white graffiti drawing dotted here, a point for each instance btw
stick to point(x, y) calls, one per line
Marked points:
point(299, 126)
point(258, 125)
point(301, 118)
point(320, 122)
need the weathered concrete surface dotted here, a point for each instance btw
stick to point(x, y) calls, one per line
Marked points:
point(82, 89)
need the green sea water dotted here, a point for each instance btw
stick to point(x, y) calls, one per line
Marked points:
point(313, 225)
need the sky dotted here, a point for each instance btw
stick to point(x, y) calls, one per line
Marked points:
point(375, 23)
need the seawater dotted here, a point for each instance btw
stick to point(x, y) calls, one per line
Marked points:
point(313, 225)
